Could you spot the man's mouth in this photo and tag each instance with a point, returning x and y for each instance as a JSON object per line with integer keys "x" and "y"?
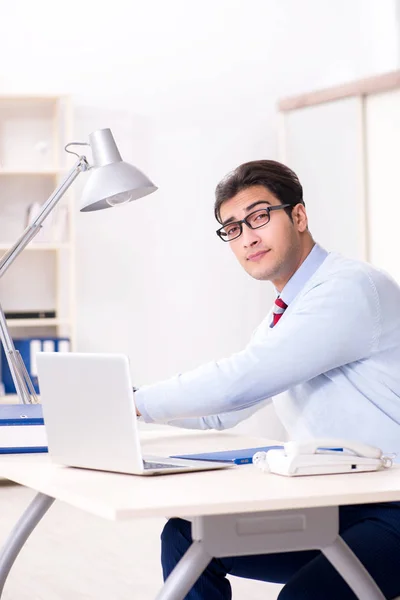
{"x": 257, "y": 255}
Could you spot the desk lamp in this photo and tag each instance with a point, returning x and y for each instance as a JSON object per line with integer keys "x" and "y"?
{"x": 112, "y": 182}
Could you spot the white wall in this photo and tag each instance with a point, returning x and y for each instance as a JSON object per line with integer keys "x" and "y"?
{"x": 196, "y": 84}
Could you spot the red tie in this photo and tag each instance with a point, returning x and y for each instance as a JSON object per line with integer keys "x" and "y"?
{"x": 279, "y": 309}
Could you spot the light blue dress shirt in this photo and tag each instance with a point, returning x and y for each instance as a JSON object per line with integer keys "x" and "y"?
{"x": 331, "y": 365}
{"x": 308, "y": 267}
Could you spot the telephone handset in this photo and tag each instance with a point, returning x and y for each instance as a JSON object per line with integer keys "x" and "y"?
{"x": 322, "y": 456}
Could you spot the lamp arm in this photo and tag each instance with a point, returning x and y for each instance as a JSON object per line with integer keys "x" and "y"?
{"x": 33, "y": 229}
{"x": 20, "y": 376}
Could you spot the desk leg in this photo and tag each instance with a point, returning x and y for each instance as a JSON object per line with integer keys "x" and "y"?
{"x": 186, "y": 573}
{"x": 352, "y": 570}
{"x": 20, "y": 533}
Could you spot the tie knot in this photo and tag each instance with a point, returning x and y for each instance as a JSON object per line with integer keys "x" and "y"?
{"x": 279, "y": 308}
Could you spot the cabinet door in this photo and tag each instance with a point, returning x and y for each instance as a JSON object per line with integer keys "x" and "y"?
{"x": 324, "y": 145}
{"x": 383, "y": 160}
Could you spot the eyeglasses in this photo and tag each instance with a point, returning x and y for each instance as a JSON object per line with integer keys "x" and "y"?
{"x": 254, "y": 220}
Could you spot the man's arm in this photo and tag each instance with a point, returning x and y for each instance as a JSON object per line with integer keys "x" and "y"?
{"x": 335, "y": 323}
{"x": 221, "y": 421}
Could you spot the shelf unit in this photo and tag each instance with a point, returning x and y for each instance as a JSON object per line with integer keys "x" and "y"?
{"x": 33, "y": 133}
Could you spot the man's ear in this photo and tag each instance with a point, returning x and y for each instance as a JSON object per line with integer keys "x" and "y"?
{"x": 299, "y": 217}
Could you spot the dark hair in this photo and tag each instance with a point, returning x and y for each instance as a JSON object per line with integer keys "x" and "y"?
{"x": 276, "y": 177}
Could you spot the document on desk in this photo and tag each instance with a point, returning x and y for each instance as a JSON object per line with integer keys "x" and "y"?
{"x": 241, "y": 456}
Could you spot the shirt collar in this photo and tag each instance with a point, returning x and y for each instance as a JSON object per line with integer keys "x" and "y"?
{"x": 307, "y": 268}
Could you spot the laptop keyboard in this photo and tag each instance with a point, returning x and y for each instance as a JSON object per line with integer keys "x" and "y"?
{"x": 155, "y": 465}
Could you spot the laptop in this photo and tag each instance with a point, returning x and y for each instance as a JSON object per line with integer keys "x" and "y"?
{"x": 90, "y": 416}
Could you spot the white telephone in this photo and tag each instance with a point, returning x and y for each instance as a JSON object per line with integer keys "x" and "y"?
{"x": 322, "y": 456}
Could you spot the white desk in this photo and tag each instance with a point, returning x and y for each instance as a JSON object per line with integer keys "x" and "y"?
{"x": 234, "y": 512}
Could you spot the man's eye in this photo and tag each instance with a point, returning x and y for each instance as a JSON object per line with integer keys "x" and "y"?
{"x": 232, "y": 230}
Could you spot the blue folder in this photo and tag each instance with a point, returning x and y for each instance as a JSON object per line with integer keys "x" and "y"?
{"x": 239, "y": 457}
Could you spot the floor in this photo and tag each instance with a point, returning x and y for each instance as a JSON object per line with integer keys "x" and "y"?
{"x": 74, "y": 556}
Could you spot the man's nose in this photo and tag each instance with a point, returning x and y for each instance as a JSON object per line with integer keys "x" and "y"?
{"x": 250, "y": 237}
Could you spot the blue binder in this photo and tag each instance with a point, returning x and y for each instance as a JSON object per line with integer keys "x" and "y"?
{"x": 22, "y": 429}
{"x": 21, "y": 414}
{"x": 23, "y": 345}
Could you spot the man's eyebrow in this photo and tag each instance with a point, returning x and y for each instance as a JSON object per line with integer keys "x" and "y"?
{"x": 248, "y": 209}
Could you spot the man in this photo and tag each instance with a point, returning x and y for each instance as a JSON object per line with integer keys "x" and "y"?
{"x": 332, "y": 343}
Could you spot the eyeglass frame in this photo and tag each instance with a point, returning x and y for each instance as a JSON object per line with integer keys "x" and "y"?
{"x": 245, "y": 220}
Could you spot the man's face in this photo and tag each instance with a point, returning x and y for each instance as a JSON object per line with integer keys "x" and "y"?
{"x": 272, "y": 252}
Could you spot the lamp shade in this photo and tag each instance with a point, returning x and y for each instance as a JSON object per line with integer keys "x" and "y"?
{"x": 111, "y": 181}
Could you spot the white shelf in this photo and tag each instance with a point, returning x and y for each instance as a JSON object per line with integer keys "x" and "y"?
{"x": 30, "y": 172}
{"x": 13, "y": 99}
{"x": 9, "y": 399}
{"x": 33, "y": 133}
{"x": 38, "y": 246}
{"x": 36, "y": 322}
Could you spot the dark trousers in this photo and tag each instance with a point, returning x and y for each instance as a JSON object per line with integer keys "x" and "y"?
{"x": 371, "y": 530}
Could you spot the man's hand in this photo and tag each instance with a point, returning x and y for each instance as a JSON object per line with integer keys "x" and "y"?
{"x": 137, "y": 412}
